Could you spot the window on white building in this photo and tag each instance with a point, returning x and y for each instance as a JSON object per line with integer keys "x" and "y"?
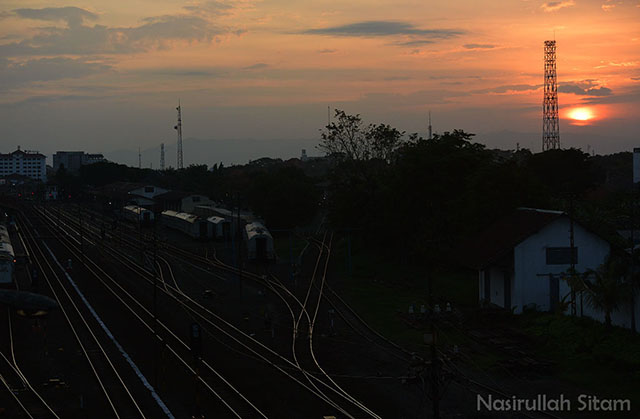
{"x": 561, "y": 255}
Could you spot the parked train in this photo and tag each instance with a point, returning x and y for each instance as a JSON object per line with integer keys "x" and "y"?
{"x": 190, "y": 224}
{"x": 138, "y": 214}
{"x": 7, "y": 258}
{"x": 259, "y": 242}
{"x": 219, "y": 228}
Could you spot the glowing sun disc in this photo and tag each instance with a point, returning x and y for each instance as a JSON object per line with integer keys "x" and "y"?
{"x": 581, "y": 114}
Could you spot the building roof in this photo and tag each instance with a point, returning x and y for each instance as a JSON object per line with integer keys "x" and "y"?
{"x": 497, "y": 240}
{"x": 32, "y": 154}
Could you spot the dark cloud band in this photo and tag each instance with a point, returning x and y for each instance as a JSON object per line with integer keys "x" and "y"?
{"x": 375, "y": 28}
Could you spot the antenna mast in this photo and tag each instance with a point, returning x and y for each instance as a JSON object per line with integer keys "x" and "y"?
{"x": 139, "y": 159}
{"x": 550, "y": 122}
{"x": 162, "y": 156}
{"x": 430, "y": 132}
{"x": 179, "y": 129}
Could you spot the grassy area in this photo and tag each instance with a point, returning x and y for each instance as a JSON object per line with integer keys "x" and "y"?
{"x": 284, "y": 246}
{"x": 586, "y": 353}
{"x": 380, "y": 289}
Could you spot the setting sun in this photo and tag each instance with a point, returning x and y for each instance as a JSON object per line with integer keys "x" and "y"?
{"x": 581, "y": 115}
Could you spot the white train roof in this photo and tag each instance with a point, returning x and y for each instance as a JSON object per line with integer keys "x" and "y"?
{"x": 256, "y": 229}
{"x": 4, "y": 235}
{"x": 216, "y": 220}
{"x": 185, "y": 216}
{"x": 6, "y": 251}
{"x": 135, "y": 208}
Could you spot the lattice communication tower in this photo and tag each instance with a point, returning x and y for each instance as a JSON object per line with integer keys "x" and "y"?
{"x": 162, "y": 156}
{"x": 179, "y": 129}
{"x": 550, "y": 122}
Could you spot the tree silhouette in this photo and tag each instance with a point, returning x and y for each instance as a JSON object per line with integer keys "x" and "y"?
{"x": 606, "y": 289}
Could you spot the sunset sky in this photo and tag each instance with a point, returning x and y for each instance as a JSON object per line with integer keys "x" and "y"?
{"x": 103, "y": 76}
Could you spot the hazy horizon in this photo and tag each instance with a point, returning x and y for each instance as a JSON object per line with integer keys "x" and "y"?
{"x": 241, "y": 151}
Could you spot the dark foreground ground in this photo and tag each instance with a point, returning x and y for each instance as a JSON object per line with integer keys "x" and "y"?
{"x": 479, "y": 353}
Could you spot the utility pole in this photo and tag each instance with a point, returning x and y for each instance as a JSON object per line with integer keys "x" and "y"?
{"x": 632, "y": 260}
{"x": 291, "y": 255}
{"x": 196, "y": 351}
{"x": 573, "y": 255}
{"x": 155, "y": 306}
{"x": 81, "y": 233}
{"x": 58, "y": 206}
{"x": 239, "y": 237}
{"x": 349, "y": 261}
{"x": 435, "y": 373}
{"x": 140, "y": 234}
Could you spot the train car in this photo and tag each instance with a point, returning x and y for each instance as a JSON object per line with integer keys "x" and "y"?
{"x": 210, "y": 210}
{"x": 7, "y": 258}
{"x": 219, "y": 228}
{"x": 11, "y": 223}
{"x": 190, "y": 224}
{"x": 138, "y": 214}
{"x": 259, "y": 242}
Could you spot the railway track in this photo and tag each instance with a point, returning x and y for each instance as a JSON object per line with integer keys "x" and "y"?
{"x": 29, "y": 402}
{"x": 357, "y": 324}
{"x": 302, "y": 347}
{"x": 303, "y": 314}
{"x": 323, "y": 389}
{"x": 222, "y": 390}
{"x": 119, "y": 397}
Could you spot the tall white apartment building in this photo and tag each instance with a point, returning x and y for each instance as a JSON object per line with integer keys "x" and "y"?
{"x": 26, "y": 163}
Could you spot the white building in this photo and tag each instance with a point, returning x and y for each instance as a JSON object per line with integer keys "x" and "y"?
{"x": 26, "y": 163}
{"x": 521, "y": 260}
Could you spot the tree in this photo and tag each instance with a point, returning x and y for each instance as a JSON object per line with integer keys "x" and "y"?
{"x": 564, "y": 172}
{"x": 285, "y": 197}
{"x": 606, "y": 289}
{"x": 349, "y": 138}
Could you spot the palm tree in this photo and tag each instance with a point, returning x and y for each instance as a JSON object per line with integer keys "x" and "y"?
{"x": 576, "y": 285}
{"x": 606, "y": 288}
